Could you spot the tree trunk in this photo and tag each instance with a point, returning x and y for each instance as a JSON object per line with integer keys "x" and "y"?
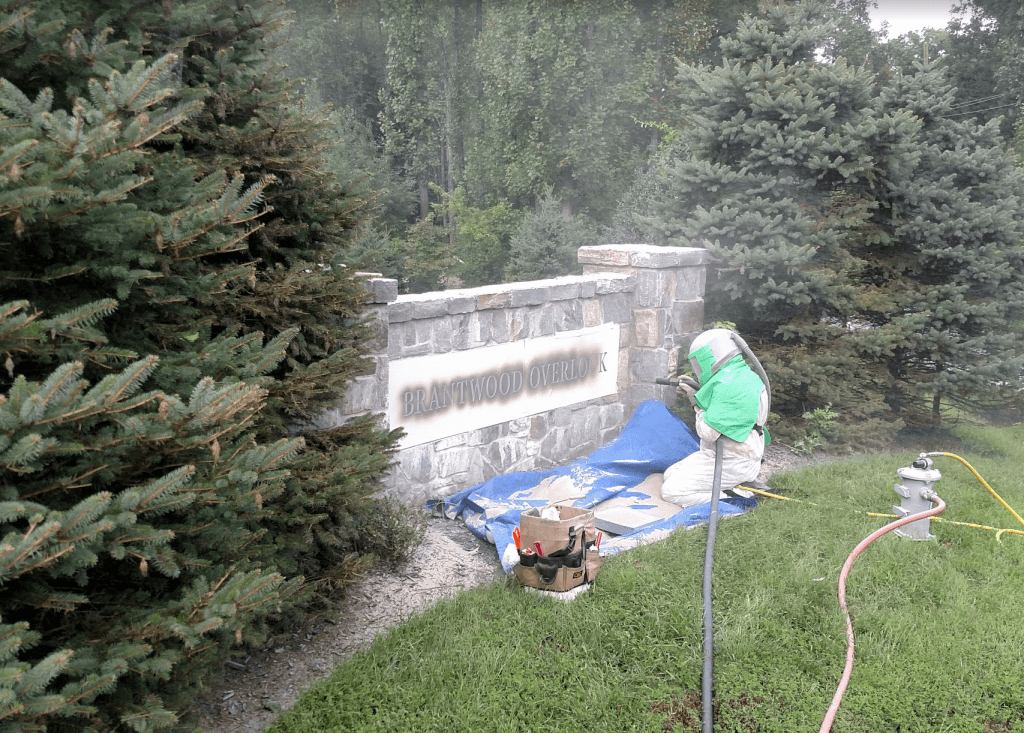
{"x": 451, "y": 191}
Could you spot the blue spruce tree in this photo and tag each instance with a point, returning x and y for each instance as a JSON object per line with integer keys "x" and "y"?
{"x": 957, "y": 270}
{"x": 811, "y": 187}
{"x": 174, "y": 311}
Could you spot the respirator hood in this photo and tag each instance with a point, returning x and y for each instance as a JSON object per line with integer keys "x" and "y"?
{"x": 710, "y": 351}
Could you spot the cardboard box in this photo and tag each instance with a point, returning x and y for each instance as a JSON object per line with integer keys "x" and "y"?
{"x": 553, "y": 535}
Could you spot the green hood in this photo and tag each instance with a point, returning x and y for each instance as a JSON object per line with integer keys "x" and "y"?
{"x": 731, "y": 397}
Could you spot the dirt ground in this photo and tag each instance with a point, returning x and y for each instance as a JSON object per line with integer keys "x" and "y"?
{"x": 257, "y": 687}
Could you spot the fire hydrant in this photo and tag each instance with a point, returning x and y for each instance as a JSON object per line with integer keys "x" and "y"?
{"x": 915, "y": 490}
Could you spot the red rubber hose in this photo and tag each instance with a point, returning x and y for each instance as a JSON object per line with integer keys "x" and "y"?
{"x": 826, "y": 725}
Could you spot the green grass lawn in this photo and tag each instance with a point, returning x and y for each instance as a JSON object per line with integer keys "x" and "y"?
{"x": 940, "y": 634}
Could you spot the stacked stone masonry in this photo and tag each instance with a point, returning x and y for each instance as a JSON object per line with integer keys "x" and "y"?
{"x": 655, "y": 295}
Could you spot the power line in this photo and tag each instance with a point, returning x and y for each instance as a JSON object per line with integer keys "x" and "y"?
{"x": 979, "y": 111}
{"x": 977, "y": 101}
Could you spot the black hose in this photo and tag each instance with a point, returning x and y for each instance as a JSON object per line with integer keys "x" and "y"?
{"x": 753, "y": 360}
{"x": 707, "y": 678}
{"x": 709, "y": 559}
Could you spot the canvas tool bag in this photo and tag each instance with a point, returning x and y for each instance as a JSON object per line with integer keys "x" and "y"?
{"x": 570, "y": 557}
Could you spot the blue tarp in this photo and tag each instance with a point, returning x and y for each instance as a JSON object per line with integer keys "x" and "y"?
{"x": 652, "y": 440}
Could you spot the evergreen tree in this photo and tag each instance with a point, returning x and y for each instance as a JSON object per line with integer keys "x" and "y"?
{"x": 100, "y": 482}
{"x": 801, "y": 178}
{"x": 124, "y": 517}
{"x": 899, "y": 55}
{"x": 958, "y": 281}
{"x": 156, "y": 171}
{"x": 424, "y": 258}
{"x": 285, "y": 271}
{"x": 547, "y": 242}
{"x": 781, "y": 170}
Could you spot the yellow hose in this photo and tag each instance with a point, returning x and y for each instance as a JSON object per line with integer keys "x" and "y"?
{"x": 972, "y": 525}
{"x": 980, "y": 526}
{"x": 983, "y": 482}
{"x": 775, "y": 496}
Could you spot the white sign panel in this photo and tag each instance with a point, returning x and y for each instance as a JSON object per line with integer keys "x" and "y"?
{"x": 436, "y": 396}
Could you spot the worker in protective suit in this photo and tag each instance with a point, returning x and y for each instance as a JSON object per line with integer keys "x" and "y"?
{"x": 732, "y": 402}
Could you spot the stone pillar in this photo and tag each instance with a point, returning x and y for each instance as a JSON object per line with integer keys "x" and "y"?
{"x": 367, "y": 393}
{"x": 668, "y": 310}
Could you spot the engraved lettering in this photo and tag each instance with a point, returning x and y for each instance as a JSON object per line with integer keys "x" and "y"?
{"x": 534, "y": 377}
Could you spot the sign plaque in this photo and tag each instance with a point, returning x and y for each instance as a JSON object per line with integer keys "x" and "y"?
{"x": 439, "y": 395}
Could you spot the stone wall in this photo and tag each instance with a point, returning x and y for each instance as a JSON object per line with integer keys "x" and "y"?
{"x": 654, "y": 294}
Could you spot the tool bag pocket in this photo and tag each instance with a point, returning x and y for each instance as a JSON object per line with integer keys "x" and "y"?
{"x": 567, "y": 556}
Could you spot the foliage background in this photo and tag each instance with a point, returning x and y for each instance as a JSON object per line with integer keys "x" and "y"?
{"x": 526, "y": 106}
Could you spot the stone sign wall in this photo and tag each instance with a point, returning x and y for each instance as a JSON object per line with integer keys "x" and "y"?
{"x": 524, "y": 376}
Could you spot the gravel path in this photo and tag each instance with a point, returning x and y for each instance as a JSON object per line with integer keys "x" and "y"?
{"x": 256, "y": 687}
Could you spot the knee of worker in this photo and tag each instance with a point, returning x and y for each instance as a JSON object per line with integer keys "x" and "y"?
{"x": 690, "y": 481}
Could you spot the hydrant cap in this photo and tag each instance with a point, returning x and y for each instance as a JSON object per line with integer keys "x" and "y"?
{"x": 924, "y": 475}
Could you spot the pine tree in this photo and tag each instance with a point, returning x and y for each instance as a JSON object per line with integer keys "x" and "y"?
{"x": 286, "y": 271}
{"x": 813, "y": 188}
{"x": 547, "y": 242}
{"x": 255, "y": 124}
{"x": 99, "y": 480}
{"x": 102, "y": 602}
{"x": 160, "y": 193}
{"x": 780, "y": 170}
{"x": 959, "y": 275}
{"x": 425, "y": 257}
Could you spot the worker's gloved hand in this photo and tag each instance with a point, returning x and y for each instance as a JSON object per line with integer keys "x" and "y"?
{"x": 687, "y": 388}
{"x": 683, "y": 379}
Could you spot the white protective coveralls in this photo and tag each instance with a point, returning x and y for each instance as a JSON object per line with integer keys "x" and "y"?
{"x": 730, "y": 399}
